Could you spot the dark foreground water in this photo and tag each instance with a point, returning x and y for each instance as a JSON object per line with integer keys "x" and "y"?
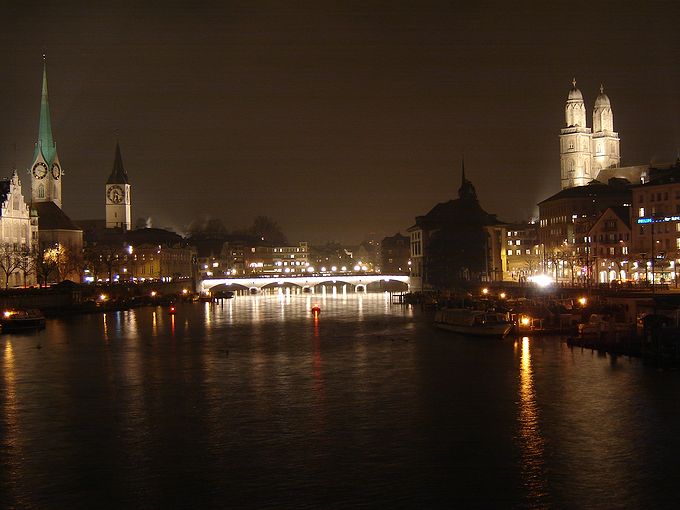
{"x": 254, "y": 404}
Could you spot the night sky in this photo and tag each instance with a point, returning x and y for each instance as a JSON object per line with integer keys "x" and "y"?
{"x": 338, "y": 120}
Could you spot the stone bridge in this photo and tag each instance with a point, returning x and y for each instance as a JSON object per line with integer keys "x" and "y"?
{"x": 256, "y": 284}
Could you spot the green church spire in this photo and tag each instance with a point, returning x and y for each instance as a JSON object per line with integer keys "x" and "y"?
{"x": 45, "y": 141}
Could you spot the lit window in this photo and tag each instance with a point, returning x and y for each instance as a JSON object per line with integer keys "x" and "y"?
{"x": 641, "y": 212}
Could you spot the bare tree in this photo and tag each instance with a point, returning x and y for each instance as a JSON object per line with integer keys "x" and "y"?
{"x": 27, "y": 264}
{"x": 46, "y": 263}
{"x": 10, "y": 262}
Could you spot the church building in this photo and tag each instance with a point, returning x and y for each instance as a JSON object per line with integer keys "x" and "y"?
{"x": 118, "y": 205}
{"x": 55, "y": 228}
{"x": 592, "y": 154}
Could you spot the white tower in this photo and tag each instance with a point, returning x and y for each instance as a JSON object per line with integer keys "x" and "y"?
{"x": 575, "y": 142}
{"x": 605, "y": 142}
{"x": 118, "y": 205}
{"x": 45, "y": 170}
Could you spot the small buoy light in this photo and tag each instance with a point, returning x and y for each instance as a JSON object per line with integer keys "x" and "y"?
{"x": 316, "y": 309}
{"x": 172, "y": 309}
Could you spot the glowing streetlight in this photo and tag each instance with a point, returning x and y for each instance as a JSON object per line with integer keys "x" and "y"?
{"x": 485, "y": 291}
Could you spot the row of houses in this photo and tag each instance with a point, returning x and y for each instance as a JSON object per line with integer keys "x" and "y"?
{"x": 600, "y": 233}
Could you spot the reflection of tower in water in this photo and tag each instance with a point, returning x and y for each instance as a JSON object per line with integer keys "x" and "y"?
{"x": 531, "y": 442}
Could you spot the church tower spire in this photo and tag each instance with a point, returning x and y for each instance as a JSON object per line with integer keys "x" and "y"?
{"x": 605, "y": 147}
{"x": 46, "y": 170}
{"x": 575, "y": 140}
{"x": 466, "y": 190}
{"x": 118, "y": 204}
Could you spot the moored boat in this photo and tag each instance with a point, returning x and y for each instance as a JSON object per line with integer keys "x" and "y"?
{"x": 21, "y": 320}
{"x": 473, "y": 322}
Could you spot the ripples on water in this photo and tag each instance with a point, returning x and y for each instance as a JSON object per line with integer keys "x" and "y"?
{"x": 254, "y": 403}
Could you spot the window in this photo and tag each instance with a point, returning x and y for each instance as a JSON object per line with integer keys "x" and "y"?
{"x": 624, "y": 250}
{"x": 611, "y": 250}
{"x": 510, "y": 241}
{"x": 641, "y": 212}
{"x": 517, "y": 242}
{"x": 641, "y": 198}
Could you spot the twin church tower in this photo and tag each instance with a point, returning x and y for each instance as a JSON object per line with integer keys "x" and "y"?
{"x": 46, "y": 172}
{"x": 584, "y": 153}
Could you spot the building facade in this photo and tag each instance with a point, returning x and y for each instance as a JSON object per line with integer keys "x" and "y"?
{"x": 395, "y": 254}
{"x": 523, "y": 251}
{"x": 457, "y": 242}
{"x": 18, "y": 234}
{"x": 608, "y": 256}
{"x": 655, "y": 226}
{"x": 567, "y": 217}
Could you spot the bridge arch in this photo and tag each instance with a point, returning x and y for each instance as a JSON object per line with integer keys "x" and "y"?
{"x": 360, "y": 282}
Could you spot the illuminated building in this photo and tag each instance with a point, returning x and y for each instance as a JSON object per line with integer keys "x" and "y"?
{"x": 523, "y": 252}
{"x": 18, "y": 230}
{"x": 138, "y": 255}
{"x": 587, "y": 154}
{"x": 118, "y": 204}
{"x": 657, "y": 240}
{"x": 567, "y": 217}
{"x": 607, "y": 247}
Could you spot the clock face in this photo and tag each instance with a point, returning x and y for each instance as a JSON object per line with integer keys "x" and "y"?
{"x": 56, "y": 171}
{"x": 40, "y": 170}
{"x": 115, "y": 194}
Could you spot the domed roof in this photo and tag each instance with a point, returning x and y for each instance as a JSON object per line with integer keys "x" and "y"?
{"x": 574, "y": 93}
{"x": 602, "y": 99}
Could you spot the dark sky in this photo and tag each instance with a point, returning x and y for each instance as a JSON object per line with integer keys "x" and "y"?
{"x": 336, "y": 119}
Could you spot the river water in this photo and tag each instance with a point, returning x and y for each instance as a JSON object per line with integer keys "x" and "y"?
{"x": 254, "y": 403}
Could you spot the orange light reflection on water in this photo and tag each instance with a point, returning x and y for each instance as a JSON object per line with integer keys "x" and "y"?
{"x": 531, "y": 442}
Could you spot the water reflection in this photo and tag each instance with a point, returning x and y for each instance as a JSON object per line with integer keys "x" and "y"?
{"x": 531, "y": 442}
{"x": 106, "y": 328}
{"x": 10, "y": 407}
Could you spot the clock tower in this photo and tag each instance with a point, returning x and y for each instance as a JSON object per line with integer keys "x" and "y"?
{"x": 118, "y": 205}
{"x": 46, "y": 169}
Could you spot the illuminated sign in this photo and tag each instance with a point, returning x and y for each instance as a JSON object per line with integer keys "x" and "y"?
{"x": 660, "y": 219}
